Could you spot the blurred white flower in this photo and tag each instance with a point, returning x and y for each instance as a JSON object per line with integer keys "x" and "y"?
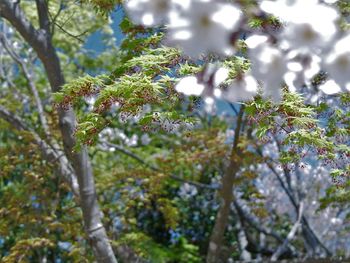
{"x": 111, "y": 149}
{"x": 205, "y": 84}
{"x": 336, "y": 221}
{"x": 302, "y": 68}
{"x": 205, "y": 26}
{"x": 255, "y": 40}
{"x": 145, "y": 139}
{"x": 132, "y": 141}
{"x": 268, "y": 65}
{"x": 187, "y": 190}
{"x": 330, "y": 1}
{"x": 330, "y": 87}
{"x": 107, "y": 134}
{"x": 121, "y": 135}
{"x": 220, "y": 76}
{"x": 190, "y": 86}
{"x": 152, "y": 12}
{"x": 241, "y": 89}
{"x": 294, "y": 80}
{"x": 337, "y": 63}
{"x": 167, "y": 125}
{"x": 90, "y": 101}
{"x": 310, "y": 25}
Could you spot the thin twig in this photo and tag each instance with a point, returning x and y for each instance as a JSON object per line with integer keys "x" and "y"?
{"x": 70, "y": 34}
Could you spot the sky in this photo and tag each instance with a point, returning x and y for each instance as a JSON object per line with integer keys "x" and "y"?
{"x": 95, "y": 43}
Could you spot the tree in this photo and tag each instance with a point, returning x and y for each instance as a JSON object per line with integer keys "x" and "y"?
{"x": 156, "y": 155}
{"x": 75, "y": 166}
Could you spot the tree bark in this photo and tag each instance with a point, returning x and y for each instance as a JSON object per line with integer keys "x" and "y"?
{"x": 226, "y": 197}
{"x": 40, "y": 40}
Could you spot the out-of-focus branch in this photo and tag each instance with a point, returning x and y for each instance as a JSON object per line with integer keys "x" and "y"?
{"x": 5, "y": 73}
{"x": 233, "y": 108}
{"x": 310, "y": 236}
{"x": 54, "y": 18}
{"x": 290, "y": 235}
{"x": 12, "y": 12}
{"x": 253, "y": 222}
{"x": 44, "y": 21}
{"x": 4, "y": 41}
{"x": 77, "y": 37}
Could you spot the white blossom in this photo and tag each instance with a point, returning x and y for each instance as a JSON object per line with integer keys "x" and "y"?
{"x": 91, "y": 102}
{"x": 268, "y": 65}
{"x": 205, "y": 85}
{"x": 330, "y": 1}
{"x": 241, "y": 89}
{"x": 132, "y": 141}
{"x": 330, "y": 87}
{"x": 204, "y": 27}
{"x": 201, "y": 27}
{"x": 145, "y": 139}
{"x": 337, "y": 63}
{"x": 310, "y": 25}
{"x": 254, "y": 41}
{"x": 190, "y": 86}
{"x": 302, "y": 67}
{"x": 187, "y": 190}
{"x": 152, "y": 12}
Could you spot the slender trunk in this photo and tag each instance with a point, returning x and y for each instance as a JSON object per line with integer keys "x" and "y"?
{"x": 226, "y": 197}
{"x": 40, "y": 40}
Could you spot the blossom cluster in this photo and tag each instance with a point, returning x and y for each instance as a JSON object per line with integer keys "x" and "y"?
{"x": 308, "y": 43}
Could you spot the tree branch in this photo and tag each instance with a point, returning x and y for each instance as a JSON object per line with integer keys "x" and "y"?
{"x": 290, "y": 235}
{"x": 241, "y": 211}
{"x": 233, "y": 108}
{"x": 70, "y": 34}
{"x": 28, "y": 77}
{"x": 13, "y": 13}
{"x": 54, "y": 18}
{"x": 309, "y": 235}
{"x": 44, "y": 21}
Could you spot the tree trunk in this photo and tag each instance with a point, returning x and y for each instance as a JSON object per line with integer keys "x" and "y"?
{"x": 226, "y": 197}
